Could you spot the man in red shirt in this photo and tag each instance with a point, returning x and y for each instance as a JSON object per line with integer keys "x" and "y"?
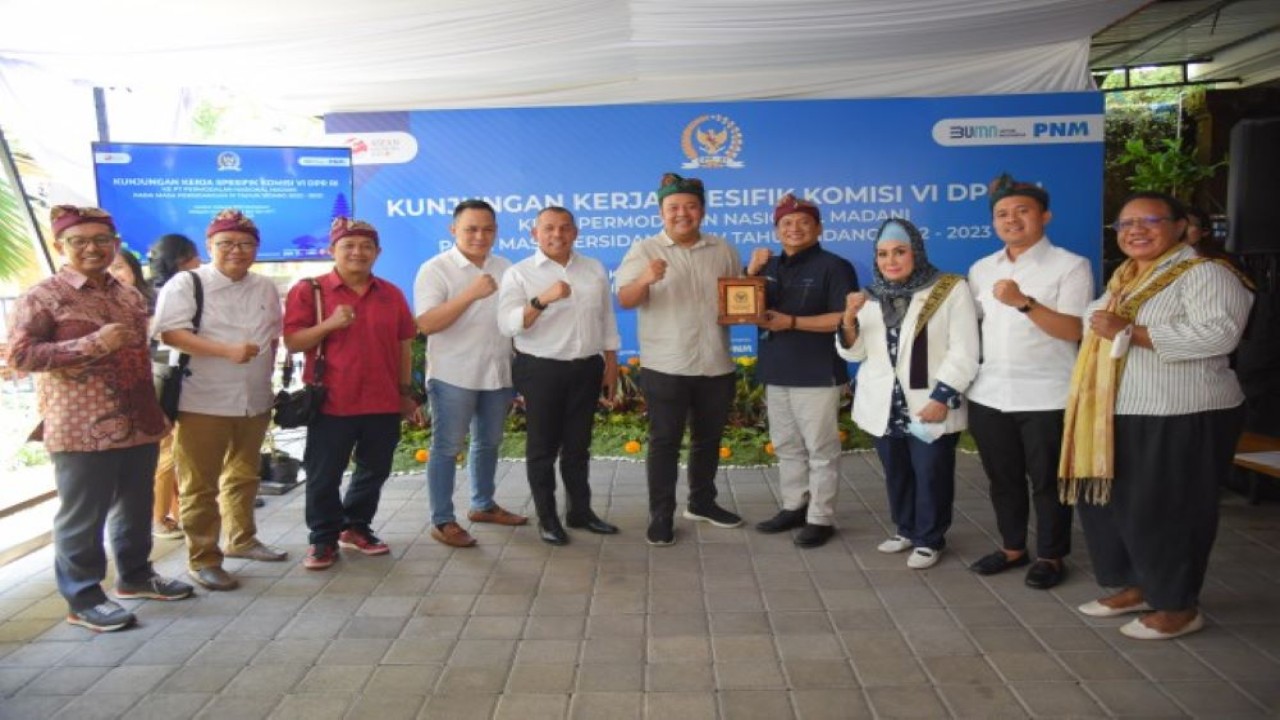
{"x": 367, "y": 331}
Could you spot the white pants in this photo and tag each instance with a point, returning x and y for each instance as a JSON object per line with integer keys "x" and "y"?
{"x": 806, "y": 438}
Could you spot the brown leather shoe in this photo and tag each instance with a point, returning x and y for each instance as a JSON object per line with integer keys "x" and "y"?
{"x": 214, "y": 578}
{"x": 452, "y": 534}
{"x": 258, "y": 551}
{"x": 497, "y": 516}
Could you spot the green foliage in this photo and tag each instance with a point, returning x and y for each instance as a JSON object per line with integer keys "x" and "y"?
{"x": 623, "y": 430}
{"x": 1164, "y": 166}
{"x": 15, "y": 244}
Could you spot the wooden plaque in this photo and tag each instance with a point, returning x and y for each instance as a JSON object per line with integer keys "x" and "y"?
{"x": 741, "y": 300}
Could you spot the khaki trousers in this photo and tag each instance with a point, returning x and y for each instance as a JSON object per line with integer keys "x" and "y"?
{"x": 218, "y": 475}
{"x": 166, "y": 484}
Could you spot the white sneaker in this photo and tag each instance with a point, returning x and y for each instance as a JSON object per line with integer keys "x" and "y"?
{"x": 895, "y": 544}
{"x": 922, "y": 558}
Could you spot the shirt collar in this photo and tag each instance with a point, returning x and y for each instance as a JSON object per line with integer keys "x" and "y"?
{"x": 459, "y": 260}
{"x": 331, "y": 281}
{"x": 78, "y": 280}
{"x": 540, "y": 258}
{"x": 214, "y": 279}
{"x": 1032, "y": 254}
{"x": 702, "y": 240}
{"x": 801, "y": 256}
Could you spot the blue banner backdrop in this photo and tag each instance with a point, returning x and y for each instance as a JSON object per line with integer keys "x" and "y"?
{"x": 292, "y": 193}
{"x": 928, "y": 160}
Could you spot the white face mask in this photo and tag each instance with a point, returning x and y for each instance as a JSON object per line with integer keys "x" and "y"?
{"x": 924, "y": 432}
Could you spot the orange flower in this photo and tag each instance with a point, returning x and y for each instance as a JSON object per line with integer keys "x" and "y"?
{"x": 632, "y": 447}
{"x": 422, "y": 455}
{"x": 624, "y": 370}
{"x": 634, "y": 361}
{"x": 768, "y": 448}
{"x": 844, "y": 435}
{"x": 725, "y": 452}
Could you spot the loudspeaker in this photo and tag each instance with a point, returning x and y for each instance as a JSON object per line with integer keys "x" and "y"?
{"x": 1253, "y": 189}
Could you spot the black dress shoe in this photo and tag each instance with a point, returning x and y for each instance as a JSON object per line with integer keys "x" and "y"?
{"x": 553, "y": 533}
{"x": 1044, "y": 574}
{"x": 998, "y": 562}
{"x": 814, "y": 535}
{"x": 592, "y": 523}
{"x": 783, "y": 521}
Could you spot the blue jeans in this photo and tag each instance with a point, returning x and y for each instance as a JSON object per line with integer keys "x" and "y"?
{"x": 454, "y": 411}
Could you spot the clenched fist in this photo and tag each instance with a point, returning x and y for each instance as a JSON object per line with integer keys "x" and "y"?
{"x": 115, "y": 336}
{"x": 656, "y": 271}
{"x": 482, "y": 287}
{"x": 759, "y": 258}
{"x": 1008, "y": 292}
{"x": 558, "y": 291}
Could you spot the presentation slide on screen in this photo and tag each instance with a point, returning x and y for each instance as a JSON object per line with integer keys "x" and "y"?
{"x": 928, "y": 160}
{"x": 292, "y": 193}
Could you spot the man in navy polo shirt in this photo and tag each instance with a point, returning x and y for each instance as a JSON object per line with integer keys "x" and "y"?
{"x": 803, "y": 375}
{"x": 367, "y": 333}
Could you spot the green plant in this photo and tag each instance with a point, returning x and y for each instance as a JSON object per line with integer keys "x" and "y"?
{"x": 1166, "y": 167}
{"x": 15, "y": 246}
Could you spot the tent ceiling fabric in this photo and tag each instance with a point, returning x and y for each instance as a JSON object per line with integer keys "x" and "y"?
{"x": 1230, "y": 39}
{"x": 321, "y": 56}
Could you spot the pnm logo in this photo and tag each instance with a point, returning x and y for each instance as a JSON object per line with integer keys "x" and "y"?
{"x": 711, "y": 141}
{"x": 228, "y": 161}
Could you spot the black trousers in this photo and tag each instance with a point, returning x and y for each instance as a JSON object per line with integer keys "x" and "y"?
{"x": 700, "y": 402}
{"x": 560, "y": 401}
{"x": 331, "y": 440}
{"x": 1158, "y": 530}
{"x": 1015, "y": 447}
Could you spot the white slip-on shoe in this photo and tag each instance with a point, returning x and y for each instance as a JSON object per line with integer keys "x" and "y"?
{"x": 895, "y": 544}
{"x": 1136, "y": 630}
{"x": 1093, "y": 608}
{"x": 922, "y": 558}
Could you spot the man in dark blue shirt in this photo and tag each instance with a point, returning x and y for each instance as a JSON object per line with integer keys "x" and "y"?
{"x": 803, "y": 376}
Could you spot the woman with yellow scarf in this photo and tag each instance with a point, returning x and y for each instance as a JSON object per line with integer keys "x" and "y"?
{"x": 1152, "y": 420}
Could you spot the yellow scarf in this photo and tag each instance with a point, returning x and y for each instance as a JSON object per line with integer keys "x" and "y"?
{"x": 1087, "y": 465}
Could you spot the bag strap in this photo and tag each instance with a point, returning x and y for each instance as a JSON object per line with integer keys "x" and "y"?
{"x": 286, "y": 368}
{"x": 198, "y": 289}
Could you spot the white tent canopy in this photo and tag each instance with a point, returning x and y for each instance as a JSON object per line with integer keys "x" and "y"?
{"x": 319, "y": 56}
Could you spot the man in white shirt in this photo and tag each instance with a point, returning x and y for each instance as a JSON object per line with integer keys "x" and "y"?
{"x": 688, "y": 374}
{"x": 468, "y": 369}
{"x": 225, "y": 406}
{"x": 558, "y": 308}
{"x": 1030, "y": 296}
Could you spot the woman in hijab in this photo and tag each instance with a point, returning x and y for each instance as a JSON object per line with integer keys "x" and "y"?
{"x": 915, "y": 333}
{"x": 1152, "y": 419}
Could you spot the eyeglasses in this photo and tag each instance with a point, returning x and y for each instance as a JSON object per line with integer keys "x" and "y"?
{"x": 80, "y": 243}
{"x": 1149, "y": 221}
{"x": 228, "y": 246}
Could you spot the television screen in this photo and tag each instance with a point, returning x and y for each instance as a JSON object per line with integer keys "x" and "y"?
{"x": 292, "y": 193}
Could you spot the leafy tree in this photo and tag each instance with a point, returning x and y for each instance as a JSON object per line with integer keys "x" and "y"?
{"x": 15, "y": 245}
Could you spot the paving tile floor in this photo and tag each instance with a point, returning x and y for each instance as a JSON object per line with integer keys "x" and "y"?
{"x": 724, "y": 624}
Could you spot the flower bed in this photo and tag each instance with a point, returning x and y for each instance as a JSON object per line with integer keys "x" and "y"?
{"x": 623, "y": 429}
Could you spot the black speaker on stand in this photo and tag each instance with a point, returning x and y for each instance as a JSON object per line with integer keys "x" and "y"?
{"x": 1253, "y": 189}
{"x": 1253, "y": 234}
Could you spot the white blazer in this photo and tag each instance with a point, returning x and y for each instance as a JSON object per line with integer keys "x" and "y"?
{"x": 953, "y": 358}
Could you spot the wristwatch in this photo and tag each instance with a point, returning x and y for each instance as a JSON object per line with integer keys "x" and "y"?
{"x": 1031, "y": 302}
{"x": 537, "y": 304}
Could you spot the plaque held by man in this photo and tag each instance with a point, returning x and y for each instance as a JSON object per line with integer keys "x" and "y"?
{"x": 741, "y": 300}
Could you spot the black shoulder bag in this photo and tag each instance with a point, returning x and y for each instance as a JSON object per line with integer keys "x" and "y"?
{"x": 169, "y": 389}
{"x": 301, "y": 407}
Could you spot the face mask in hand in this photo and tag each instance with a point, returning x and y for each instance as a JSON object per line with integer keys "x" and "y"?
{"x": 924, "y": 432}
